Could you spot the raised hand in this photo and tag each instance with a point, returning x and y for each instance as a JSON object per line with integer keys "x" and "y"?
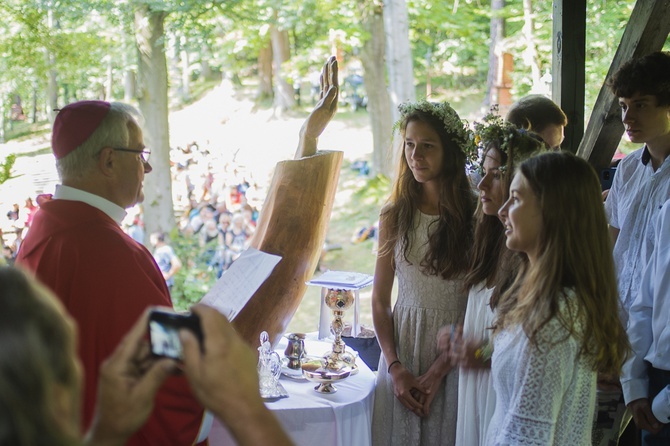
{"x": 323, "y": 112}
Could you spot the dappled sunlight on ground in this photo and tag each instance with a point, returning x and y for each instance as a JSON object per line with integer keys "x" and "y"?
{"x": 230, "y": 126}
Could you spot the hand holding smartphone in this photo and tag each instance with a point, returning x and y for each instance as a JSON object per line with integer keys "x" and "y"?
{"x": 164, "y": 329}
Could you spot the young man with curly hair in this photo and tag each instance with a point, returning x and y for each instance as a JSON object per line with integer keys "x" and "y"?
{"x": 639, "y": 189}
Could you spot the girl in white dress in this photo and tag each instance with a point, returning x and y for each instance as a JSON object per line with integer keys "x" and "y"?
{"x": 492, "y": 270}
{"x": 558, "y": 324}
{"x": 424, "y": 239}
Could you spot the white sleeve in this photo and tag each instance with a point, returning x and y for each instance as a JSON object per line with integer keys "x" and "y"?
{"x": 540, "y": 389}
{"x": 634, "y": 379}
{"x": 661, "y": 406}
{"x": 612, "y": 201}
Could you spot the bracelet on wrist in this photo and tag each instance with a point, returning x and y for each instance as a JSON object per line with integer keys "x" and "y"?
{"x": 397, "y": 361}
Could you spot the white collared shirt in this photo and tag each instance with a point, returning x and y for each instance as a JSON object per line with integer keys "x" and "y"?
{"x": 649, "y": 324}
{"x": 632, "y": 205}
{"x": 115, "y": 212}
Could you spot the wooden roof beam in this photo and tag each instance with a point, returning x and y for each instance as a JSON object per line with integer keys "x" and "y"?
{"x": 568, "y": 79}
{"x": 645, "y": 33}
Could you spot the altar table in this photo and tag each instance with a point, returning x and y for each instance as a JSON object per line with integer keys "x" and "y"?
{"x": 311, "y": 418}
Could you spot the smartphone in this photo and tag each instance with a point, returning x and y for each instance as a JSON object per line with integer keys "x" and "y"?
{"x": 164, "y": 329}
{"x": 606, "y": 177}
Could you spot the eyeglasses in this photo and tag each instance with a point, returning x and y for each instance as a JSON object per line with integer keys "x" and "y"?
{"x": 144, "y": 153}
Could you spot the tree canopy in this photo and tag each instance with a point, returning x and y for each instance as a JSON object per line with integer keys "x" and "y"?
{"x": 57, "y": 51}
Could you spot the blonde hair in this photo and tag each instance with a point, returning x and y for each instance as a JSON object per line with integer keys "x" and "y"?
{"x": 575, "y": 254}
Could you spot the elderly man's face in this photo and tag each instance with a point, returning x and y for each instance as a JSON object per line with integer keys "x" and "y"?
{"x": 132, "y": 170}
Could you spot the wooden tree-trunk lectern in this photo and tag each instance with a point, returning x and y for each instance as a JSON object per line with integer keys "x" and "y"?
{"x": 293, "y": 222}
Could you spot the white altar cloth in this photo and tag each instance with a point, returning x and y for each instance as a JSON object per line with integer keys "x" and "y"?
{"x": 311, "y": 418}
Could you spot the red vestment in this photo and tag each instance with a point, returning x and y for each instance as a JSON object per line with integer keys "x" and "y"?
{"x": 106, "y": 280}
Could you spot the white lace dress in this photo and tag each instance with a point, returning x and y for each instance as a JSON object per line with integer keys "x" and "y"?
{"x": 425, "y": 304}
{"x": 476, "y": 397}
{"x": 545, "y": 395}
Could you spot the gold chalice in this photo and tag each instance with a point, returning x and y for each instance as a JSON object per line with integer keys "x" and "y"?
{"x": 339, "y": 301}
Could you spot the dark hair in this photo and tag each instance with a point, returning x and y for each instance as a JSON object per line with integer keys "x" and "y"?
{"x": 491, "y": 261}
{"x": 535, "y": 112}
{"x": 647, "y": 75}
{"x": 449, "y": 243}
{"x": 35, "y": 354}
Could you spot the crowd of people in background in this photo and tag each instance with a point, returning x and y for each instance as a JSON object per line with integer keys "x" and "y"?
{"x": 215, "y": 209}
{"x": 15, "y": 229}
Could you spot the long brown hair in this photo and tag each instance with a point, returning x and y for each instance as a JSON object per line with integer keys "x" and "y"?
{"x": 34, "y": 346}
{"x": 575, "y": 254}
{"x": 449, "y": 243}
{"x": 491, "y": 262}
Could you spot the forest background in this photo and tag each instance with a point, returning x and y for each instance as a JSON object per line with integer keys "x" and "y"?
{"x": 164, "y": 56}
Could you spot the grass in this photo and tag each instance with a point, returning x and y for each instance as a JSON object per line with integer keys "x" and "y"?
{"x": 357, "y": 206}
{"x": 22, "y": 130}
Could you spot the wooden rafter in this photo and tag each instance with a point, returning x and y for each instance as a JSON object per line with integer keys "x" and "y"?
{"x": 645, "y": 33}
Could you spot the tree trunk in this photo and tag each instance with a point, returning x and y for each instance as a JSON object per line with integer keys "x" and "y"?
{"x": 153, "y": 96}
{"x": 398, "y": 54}
{"x": 185, "y": 73}
{"x": 530, "y": 55}
{"x": 33, "y": 113}
{"x": 205, "y": 70}
{"x": 129, "y": 80}
{"x": 52, "y": 80}
{"x": 128, "y": 85}
{"x": 265, "y": 72}
{"x": 52, "y": 89}
{"x": 283, "y": 91}
{"x": 2, "y": 117}
{"x": 497, "y": 35}
{"x": 379, "y": 103}
{"x": 110, "y": 80}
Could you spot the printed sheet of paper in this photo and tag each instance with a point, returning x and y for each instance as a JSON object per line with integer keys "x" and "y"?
{"x": 342, "y": 280}
{"x": 239, "y": 282}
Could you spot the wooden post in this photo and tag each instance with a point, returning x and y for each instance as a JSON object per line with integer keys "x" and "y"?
{"x": 645, "y": 33}
{"x": 569, "y": 45}
{"x": 504, "y": 80}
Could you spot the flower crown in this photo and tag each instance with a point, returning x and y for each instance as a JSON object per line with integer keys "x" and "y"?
{"x": 455, "y": 126}
{"x": 493, "y": 128}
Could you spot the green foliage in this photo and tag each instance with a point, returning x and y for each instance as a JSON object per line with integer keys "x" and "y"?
{"x": 195, "y": 277}
{"x": 448, "y": 44}
{"x": 450, "y": 39}
{"x": 6, "y": 167}
{"x": 606, "y": 22}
